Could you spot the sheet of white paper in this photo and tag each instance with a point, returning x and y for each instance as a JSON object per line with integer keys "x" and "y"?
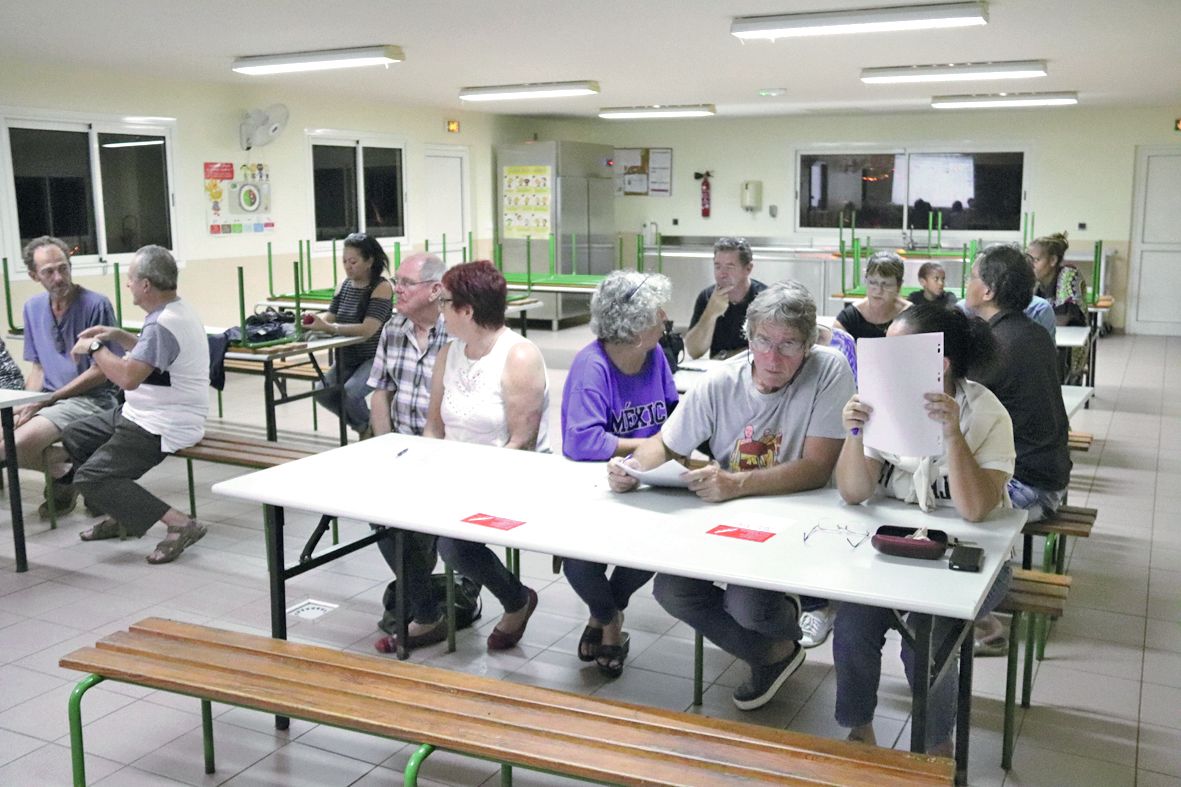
{"x": 893, "y": 374}
{"x": 668, "y": 474}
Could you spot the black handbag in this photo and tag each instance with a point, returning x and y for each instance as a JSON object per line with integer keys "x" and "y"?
{"x": 468, "y": 606}
{"x": 673, "y": 345}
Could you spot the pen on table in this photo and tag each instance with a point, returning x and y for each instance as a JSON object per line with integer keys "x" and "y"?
{"x": 404, "y": 450}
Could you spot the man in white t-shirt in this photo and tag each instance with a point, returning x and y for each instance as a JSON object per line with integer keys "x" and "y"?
{"x": 165, "y": 378}
{"x": 774, "y": 425}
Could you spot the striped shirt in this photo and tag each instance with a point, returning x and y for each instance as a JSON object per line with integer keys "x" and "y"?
{"x": 352, "y": 305}
{"x": 401, "y": 366}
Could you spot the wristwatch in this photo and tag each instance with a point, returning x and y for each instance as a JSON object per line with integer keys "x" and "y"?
{"x": 95, "y": 346}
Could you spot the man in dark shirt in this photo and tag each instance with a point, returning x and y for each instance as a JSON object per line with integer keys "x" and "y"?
{"x": 1025, "y": 379}
{"x": 720, "y": 310}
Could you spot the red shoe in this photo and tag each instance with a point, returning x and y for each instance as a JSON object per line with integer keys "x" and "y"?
{"x": 389, "y": 644}
{"x": 503, "y": 640}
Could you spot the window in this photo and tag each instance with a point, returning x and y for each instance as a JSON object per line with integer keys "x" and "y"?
{"x": 347, "y": 203}
{"x": 103, "y": 188}
{"x": 972, "y": 191}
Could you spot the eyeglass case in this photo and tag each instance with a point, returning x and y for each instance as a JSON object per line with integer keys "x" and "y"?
{"x": 892, "y": 540}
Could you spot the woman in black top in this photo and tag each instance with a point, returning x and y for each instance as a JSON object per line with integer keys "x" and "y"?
{"x": 869, "y": 317}
{"x": 360, "y": 307}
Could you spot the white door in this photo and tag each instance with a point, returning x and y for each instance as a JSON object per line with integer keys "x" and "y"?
{"x": 446, "y": 190}
{"x": 1156, "y": 243}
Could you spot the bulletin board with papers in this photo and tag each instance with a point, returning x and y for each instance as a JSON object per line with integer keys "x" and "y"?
{"x": 643, "y": 172}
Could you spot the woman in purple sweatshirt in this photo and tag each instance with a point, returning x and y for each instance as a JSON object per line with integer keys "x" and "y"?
{"x": 619, "y": 391}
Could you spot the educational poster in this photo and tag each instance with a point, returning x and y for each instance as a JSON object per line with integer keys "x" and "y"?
{"x": 237, "y": 198}
{"x": 643, "y": 172}
{"x": 526, "y": 194}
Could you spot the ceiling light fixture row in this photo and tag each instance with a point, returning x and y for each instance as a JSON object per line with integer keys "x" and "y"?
{"x": 954, "y": 72}
{"x": 321, "y": 60}
{"x": 586, "y": 87}
{"x": 1005, "y": 100}
{"x": 659, "y": 111}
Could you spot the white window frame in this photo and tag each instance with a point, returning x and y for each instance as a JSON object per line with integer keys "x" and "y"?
{"x": 956, "y": 237}
{"x": 99, "y": 264}
{"x": 359, "y": 140}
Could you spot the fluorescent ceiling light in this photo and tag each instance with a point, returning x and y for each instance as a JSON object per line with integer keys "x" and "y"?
{"x": 319, "y": 61}
{"x": 137, "y": 144}
{"x": 586, "y": 87}
{"x": 954, "y": 72}
{"x": 861, "y": 20}
{"x": 147, "y": 120}
{"x": 995, "y": 100}
{"x": 659, "y": 111}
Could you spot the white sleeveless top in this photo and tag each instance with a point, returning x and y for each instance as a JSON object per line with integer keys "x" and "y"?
{"x": 473, "y": 402}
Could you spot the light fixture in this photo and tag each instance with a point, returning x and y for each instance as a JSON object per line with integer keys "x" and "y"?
{"x": 322, "y": 60}
{"x": 954, "y": 72}
{"x": 136, "y": 144}
{"x": 1004, "y": 100}
{"x": 773, "y": 92}
{"x": 861, "y": 20}
{"x": 659, "y": 111}
{"x": 585, "y": 87}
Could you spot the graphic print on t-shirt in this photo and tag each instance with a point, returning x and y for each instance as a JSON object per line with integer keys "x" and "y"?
{"x": 633, "y": 417}
{"x": 752, "y": 454}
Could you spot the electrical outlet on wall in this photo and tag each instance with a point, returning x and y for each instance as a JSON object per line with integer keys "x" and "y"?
{"x": 1082, "y": 225}
{"x": 676, "y": 222}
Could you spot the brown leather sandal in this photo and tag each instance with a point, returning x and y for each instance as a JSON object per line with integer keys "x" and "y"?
{"x": 176, "y": 541}
{"x": 108, "y": 528}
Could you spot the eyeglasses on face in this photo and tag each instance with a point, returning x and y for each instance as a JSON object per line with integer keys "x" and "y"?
{"x": 405, "y": 284}
{"x": 788, "y": 349}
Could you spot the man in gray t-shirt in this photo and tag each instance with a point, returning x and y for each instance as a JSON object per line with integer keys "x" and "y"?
{"x": 774, "y": 425}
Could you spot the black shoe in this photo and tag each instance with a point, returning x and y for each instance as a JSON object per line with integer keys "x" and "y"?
{"x": 766, "y": 680}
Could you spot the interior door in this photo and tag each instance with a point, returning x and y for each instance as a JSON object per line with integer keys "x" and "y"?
{"x": 1156, "y": 243}
{"x": 445, "y": 205}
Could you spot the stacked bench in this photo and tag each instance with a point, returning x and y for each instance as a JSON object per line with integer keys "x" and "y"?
{"x": 511, "y": 724}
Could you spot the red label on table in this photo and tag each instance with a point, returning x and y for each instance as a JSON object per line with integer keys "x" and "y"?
{"x": 487, "y": 520}
{"x": 729, "y": 531}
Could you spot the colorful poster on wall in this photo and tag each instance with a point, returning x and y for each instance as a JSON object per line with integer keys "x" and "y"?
{"x": 237, "y": 198}
{"x": 526, "y": 193}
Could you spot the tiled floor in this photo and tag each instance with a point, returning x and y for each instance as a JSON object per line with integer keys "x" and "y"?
{"x": 1106, "y": 698}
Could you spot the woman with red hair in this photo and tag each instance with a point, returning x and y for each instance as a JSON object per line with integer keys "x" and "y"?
{"x": 492, "y": 391}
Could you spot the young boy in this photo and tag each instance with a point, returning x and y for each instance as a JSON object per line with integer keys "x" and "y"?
{"x": 931, "y": 279}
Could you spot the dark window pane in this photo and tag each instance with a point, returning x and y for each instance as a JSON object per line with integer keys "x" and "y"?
{"x": 334, "y": 182}
{"x": 842, "y": 183}
{"x": 135, "y": 191}
{"x": 974, "y": 191}
{"x": 383, "y": 191}
{"x": 51, "y": 170}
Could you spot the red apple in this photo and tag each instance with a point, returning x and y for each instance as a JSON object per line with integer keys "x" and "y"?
{"x": 308, "y": 319}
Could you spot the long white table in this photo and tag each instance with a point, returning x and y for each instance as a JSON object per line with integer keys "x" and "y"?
{"x": 1072, "y": 336}
{"x": 566, "y": 508}
{"x": 8, "y": 400}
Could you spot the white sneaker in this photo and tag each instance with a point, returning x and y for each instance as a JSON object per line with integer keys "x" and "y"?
{"x": 817, "y": 625}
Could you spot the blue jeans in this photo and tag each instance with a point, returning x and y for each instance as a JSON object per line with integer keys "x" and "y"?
{"x": 478, "y": 563}
{"x": 1039, "y": 503}
{"x": 857, "y": 640}
{"x": 744, "y": 622}
{"x": 605, "y": 597}
{"x": 356, "y": 388}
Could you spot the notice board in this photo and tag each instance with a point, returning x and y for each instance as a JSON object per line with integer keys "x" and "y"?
{"x": 643, "y": 172}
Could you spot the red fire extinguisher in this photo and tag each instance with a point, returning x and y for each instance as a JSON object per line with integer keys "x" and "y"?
{"x": 704, "y": 178}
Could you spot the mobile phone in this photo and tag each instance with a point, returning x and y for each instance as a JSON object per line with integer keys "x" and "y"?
{"x": 965, "y": 558}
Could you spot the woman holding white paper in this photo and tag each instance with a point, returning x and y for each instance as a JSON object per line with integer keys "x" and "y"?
{"x": 971, "y": 475}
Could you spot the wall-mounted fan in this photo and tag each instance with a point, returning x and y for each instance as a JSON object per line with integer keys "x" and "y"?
{"x": 262, "y": 126}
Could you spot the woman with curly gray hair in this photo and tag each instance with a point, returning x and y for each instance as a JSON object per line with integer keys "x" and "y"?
{"x": 619, "y": 391}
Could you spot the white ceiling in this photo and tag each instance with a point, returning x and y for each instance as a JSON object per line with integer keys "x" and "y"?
{"x": 1113, "y": 52}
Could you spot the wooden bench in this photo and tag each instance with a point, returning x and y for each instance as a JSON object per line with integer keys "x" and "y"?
{"x": 228, "y": 449}
{"x": 1038, "y": 595}
{"x": 512, "y": 724}
{"x": 1080, "y": 441}
{"x": 1069, "y": 520}
{"x": 298, "y": 370}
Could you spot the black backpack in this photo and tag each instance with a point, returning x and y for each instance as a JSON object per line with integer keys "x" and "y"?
{"x": 467, "y": 602}
{"x": 673, "y": 345}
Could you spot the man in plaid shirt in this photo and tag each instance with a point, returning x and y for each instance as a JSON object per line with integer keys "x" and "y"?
{"x": 401, "y": 382}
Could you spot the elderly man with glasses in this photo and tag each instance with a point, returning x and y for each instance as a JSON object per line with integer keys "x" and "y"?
{"x": 401, "y": 383}
{"x": 774, "y": 424}
{"x": 77, "y": 388}
{"x": 720, "y": 310}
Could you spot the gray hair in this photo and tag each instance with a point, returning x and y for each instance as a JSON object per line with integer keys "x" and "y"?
{"x": 157, "y": 265}
{"x": 37, "y": 243}
{"x": 787, "y": 303}
{"x": 625, "y": 304}
{"x": 745, "y": 255}
{"x": 431, "y": 267}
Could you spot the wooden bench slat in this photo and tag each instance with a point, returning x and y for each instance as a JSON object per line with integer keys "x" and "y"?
{"x": 268, "y": 449}
{"x": 1040, "y": 577}
{"x": 1078, "y": 511}
{"x": 224, "y": 457}
{"x": 1076, "y": 529}
{"x": 1032, "y": 602}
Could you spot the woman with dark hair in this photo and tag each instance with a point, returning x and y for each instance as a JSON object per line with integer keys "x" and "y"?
{"x": 359, "y": 308}
{"x": 869, "y": 317}
{"x": 492, "y": 391}
{"x": 620, "y": 390}
{"x": 971, "y": 475}
{"x": 1062, "y": 285}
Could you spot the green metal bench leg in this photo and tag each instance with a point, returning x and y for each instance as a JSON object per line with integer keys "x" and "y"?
{"x": 77, "y": 755}
{"x": 506, "y": 775}
{"x": 192, "y": 489}
{"x": 1010, "y": 695}
{"x": 557, "y": 565}
{"x": 1061, "y": 560}
{"x": 220, "y": 410}
{"x": 1048, "y": 551}
{"x": 410, "y": 775}
{"x": 512, "y": 560}
{"x": 450, "y": 576}
{"x": 1031, "y": 623}
{"x": 207, "y": 733}
{"x": 50, "y": 500}
{"x": 335, "y": 532}
{"x": 315, "y": 416}
{"x": 698, "y": 667}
